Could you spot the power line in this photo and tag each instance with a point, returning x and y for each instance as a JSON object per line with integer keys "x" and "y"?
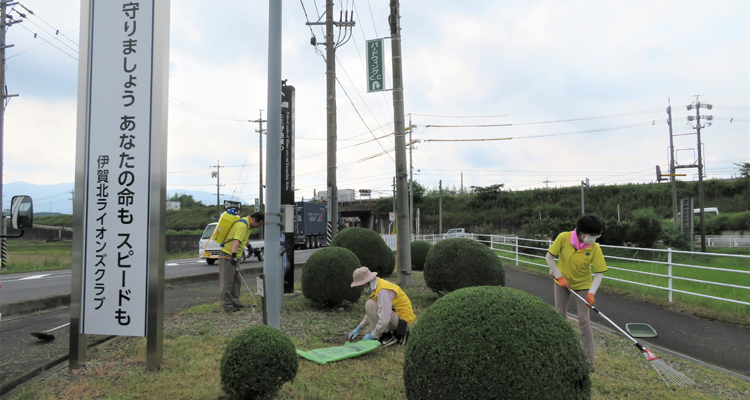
{"x": 628, "y": 114}
{"x": 551, "y": 134}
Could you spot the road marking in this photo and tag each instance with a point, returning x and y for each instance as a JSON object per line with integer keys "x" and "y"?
{"x": 171, "y": 264}
{"x": 34, "y": 277}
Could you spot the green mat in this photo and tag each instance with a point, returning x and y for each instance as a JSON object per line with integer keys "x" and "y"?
{"x": 330, "y": 354}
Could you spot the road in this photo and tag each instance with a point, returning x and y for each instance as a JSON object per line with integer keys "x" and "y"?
{"x": 34, "y": 285}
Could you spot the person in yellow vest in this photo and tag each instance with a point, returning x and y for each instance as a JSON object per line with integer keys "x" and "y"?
{"x": 229, "y": 264}
{"x": 388, "y": 313}
{"x": 578, "y": 254}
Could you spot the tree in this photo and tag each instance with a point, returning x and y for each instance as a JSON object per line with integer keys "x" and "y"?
{"x": 646, "y": 227}
{"x": 488, "y": 193}
{"x": 744, "y": 169}
{"x": 186, "y": 200}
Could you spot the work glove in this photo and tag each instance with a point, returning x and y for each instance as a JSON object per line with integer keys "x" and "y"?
{"x": 367, "y": 337}
{"x": 354, "y": 333}
{"x": 563, "y": 282}
{"x": 234, "y": 260}
{"x": 590, "y": 300}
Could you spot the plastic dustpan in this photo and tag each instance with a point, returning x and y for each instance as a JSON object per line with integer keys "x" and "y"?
{"x": 640, "y": 330}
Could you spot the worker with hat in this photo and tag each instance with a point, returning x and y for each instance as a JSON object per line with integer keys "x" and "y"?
{"x": 388, "y": 313}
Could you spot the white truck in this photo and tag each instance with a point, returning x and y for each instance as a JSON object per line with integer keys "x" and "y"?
{"x": 456, "y": 233}
{"x": 210, "y": 250}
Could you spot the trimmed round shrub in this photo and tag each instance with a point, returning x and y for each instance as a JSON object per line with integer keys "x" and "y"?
{"x": 419, "y": 251}
{"x": 369, "y": 247}
{"x": 257, "y": 362}
{"x": 494, "y": 342}
{"x": 327, "y": 276}
{"x": 457, "y": 263}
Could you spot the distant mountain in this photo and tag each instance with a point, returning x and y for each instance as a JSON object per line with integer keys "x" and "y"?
{"x": 58, "y": 198}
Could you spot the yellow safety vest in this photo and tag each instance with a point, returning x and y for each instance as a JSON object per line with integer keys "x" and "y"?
{"x": 401, "y": 303}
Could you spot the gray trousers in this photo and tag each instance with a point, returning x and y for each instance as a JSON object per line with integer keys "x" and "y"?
{"x": 562, "y": 296}
{"x": 229, "y": 285}
{"x": 371, "y": 309}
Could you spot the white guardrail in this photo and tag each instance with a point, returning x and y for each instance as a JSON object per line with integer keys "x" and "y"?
{"x": 496, "y": 242}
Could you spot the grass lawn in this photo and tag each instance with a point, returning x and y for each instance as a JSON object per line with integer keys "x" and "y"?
{"x": 29, "y": 255}
{"x": 644, "y": 262}
{"x": 194, "y": 341}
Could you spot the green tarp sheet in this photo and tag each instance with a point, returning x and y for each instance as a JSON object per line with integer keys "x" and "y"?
{"x": 330, "y": 354}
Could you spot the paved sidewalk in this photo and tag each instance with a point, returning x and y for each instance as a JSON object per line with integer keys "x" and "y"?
{"x": 723, "y": 345}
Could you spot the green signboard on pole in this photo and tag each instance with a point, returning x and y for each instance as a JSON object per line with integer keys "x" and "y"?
{"x": 375, "y": 79}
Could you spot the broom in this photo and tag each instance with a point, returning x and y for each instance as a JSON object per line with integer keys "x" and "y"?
{"x": 667, "y": 373}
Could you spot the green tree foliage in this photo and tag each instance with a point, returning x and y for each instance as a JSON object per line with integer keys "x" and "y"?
{"x": 327, "y": 276}
{"x": 186, "y": 200}
{"x": 453, "y": 264}
{"x": 419, "y": 252}
{"x": 257, "y": 362}
{"x": 744, "y": 168}
{"x": 493, "y": 342}
{"x": 645, "y": 229}
{"x": 369, "y": 247}
{"x": 509, "y": 211}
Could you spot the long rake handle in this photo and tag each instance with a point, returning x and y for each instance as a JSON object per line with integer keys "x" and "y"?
{"x": 607, "y": 318}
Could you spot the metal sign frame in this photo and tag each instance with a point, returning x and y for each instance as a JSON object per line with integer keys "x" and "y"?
{"x": 119, "y": 43}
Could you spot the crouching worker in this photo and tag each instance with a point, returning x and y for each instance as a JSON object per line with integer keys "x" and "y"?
{"x": 389, "y": 316}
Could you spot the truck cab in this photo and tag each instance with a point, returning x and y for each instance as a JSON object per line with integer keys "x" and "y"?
{"x": 210, "y": 250}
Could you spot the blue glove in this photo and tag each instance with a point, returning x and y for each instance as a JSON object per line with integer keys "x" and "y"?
{"x": 367, "y": 337}
{"x": 354, "y": 333}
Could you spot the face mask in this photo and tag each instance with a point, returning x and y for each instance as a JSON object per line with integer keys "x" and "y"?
{"x": 367, "y": 289}
{"x": 588, "y": 239}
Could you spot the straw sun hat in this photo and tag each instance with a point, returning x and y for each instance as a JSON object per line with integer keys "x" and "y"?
{"x": 362, "y": 275}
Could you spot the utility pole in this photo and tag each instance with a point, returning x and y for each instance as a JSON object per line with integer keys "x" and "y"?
{"x": 584, "y": 184}
{"x": 403, "y": 238}
{"x": 440, "y": 209}
{"x": 672, "y": 164}
{"x": 411, "y": 177}
{"x": 215, "y": 174}
{"x": 260, "y": 131}
{"x": 698, "y": 106}
{"x": 547, "y": 181}
{"x": 3, "y": 100}
{"x": 272, "y": 266}
{"x": 331, "y": 46}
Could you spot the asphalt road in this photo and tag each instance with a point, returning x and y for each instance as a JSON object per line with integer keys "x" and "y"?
{"x": 34, "y": 285}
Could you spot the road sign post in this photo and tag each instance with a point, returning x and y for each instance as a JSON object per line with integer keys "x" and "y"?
{"x": 375, "y": 77}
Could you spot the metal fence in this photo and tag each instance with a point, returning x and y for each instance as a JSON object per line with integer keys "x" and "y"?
{"x": 520, "y": 251}
{"x": 725, "y": 241}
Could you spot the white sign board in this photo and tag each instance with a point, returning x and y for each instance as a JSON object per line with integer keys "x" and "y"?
{"x": 391, "y": 216}
{"x": 118, "y": 169}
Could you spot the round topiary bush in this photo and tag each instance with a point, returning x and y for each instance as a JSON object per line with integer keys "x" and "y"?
{"x": 257, "y": 362}
{"x": 327, "y": 276}
{"x": 418, "y": 254}
{"x": 369, "y": 247}
{"x": 457, "y": 263}
{"x": 494, "y": 342}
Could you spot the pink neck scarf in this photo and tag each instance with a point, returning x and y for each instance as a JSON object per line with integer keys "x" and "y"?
{"x": 579, "y": 245}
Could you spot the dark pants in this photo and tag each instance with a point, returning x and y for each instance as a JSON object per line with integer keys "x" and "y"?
{"x": 229, "y": 285}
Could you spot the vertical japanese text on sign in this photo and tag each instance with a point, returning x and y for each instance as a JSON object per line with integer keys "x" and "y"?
{"x": 375, "y": 77}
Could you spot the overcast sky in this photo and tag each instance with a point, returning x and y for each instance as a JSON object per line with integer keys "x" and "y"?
{"x": 551, "y": 69}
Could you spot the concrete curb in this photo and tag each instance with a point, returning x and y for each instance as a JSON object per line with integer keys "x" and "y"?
{"x": 52, "y": 302}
